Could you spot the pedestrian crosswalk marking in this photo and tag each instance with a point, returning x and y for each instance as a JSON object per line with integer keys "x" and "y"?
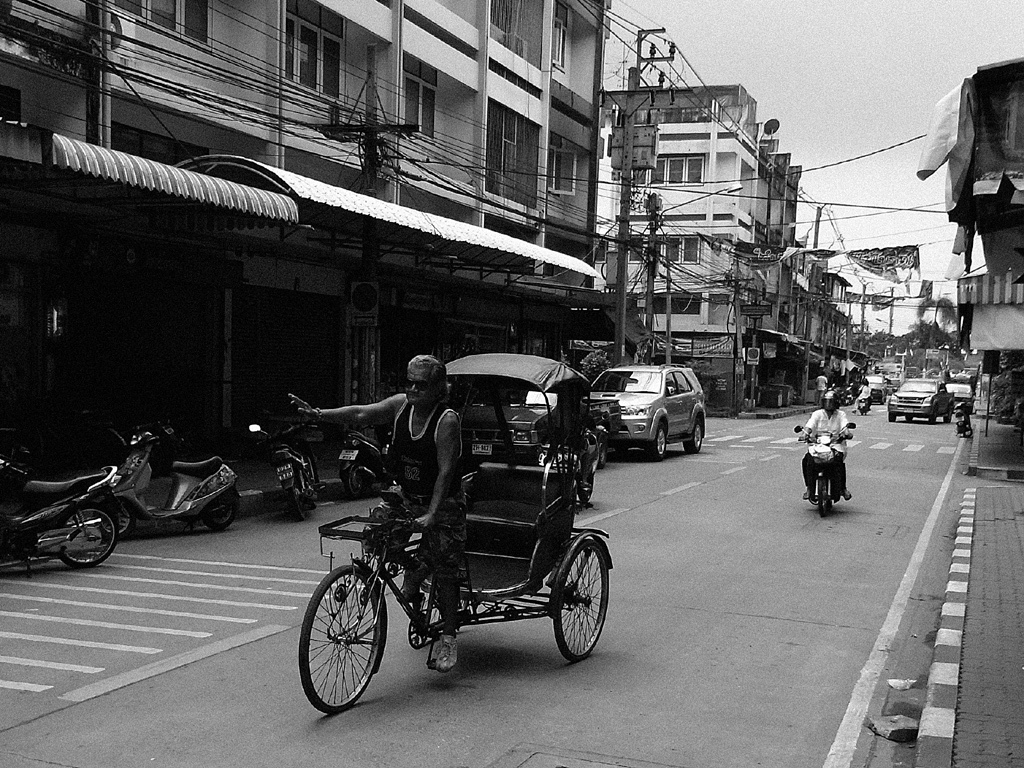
{"x": 49, "y": 665}
{"x": 104, "y": 624}
{"x": 913, "y": 447}
{"x": 721, "y": 439}
{"x": 224, "y": 563}
{"x": 129, "y": 609}
{"x": 881, "y": 446}
{"x": 161, "y": 596}
{"x": 80, "y": 643}
{"x": 947, "y": 449}
{"x": 851, "y": 443}
{"x": 730, "y": 471}
{"x": 34, "y": 688}
{"x": 786, "y": 440}
{"x": 759, "y": 439}
{"x": 196, "y": 585}
{"x": 214, "y": 574}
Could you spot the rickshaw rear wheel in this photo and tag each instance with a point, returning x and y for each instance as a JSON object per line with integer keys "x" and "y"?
{"x": 344, "y": 631}
{"x": 579, "y": 599}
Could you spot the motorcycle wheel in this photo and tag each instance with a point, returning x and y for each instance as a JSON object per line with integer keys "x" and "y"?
{"x": 357, "y": 482}
{"x": 303, "y": 491}
{"x": 219, "y": 515}
{"x": 125, "y": 520}
{"x": 93, "y": 540}
{"x": 585, "y": 485}
{"x": 824, "y": 494}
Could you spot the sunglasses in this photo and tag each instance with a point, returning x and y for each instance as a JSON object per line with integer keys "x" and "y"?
{"x": 417, "y": 385}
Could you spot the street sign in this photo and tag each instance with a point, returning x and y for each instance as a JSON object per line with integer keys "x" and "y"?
{"x": 756, "y": 309}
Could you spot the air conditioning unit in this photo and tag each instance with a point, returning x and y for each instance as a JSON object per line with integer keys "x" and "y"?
{"x": 122, "y": 40}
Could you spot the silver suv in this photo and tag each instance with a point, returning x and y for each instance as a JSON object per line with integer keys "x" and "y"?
{"x": 660, "y": 403}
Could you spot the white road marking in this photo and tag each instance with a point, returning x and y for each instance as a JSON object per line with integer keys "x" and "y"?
{"x": 730, "y": 471}
{"x": 913, "y": 447}
{"x": 80, "y": 643}
{"x": 104, "y": 624}
{"x": 173, "y": 662}
{"x": 946, "y": 449}
{"x": 680, "y": 488}
{"x": 129, "y": 608}
{"x": 604, "y": 516}
{"x": 759, "y": 439}
{"x": 49, "y": 665}
{"x": 32, "y": 687}
{"x": 255, "y": 566}
{"x": 880, "y": 446}
{"x": 851, "y": 443}
{"x": 196, "y": 585}
{"x": 785, "y": 440}
{"x": 769, "y": 457}
{"x": 214, "y": 574}
{"x": 721, "y": 439}
{"x": 845, "y": 744}
{"x": 161, "y": 596}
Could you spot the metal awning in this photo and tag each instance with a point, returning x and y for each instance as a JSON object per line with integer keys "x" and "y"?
{"x": 1005, "y": 288}
{"x": 132, "y": 171}
{"x": 343, "y": 209}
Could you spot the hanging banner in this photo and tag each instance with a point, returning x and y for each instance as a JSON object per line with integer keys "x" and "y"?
{"x": 713, "y": 346}
{"x": 760, "y": 256}
{"x": 894, "y": 264}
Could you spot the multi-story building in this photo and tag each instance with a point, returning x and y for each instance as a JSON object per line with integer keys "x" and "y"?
{"x": 716, "y": 211}
{"x": 192, "y": 189}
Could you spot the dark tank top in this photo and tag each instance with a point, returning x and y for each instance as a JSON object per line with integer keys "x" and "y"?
{"x": 414, "y": 457}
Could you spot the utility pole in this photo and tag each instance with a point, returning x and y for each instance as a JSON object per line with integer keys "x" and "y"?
{"x": 810, "y": 305}
{"x": 653, "y": 210}
{"x": 628, "y": 104}
{"x": 363, "y": 351}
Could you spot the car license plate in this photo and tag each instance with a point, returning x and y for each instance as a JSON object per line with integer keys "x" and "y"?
{"x": 482, "y": 449}
{"x": 348, "y": 455}
{"x": 285, "y": 472}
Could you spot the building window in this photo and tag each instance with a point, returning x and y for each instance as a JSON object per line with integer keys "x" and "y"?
{"x": 560, "y": 36}
{"x": 10, "y": 104}
{"x": 561, "y": 165}
{"x": 682, "y": 249}
{"x": 513, "y": 152}
{"x": 518, "y": 25}
{"x": 152, "y": 146}
{"x": 189, "y": 17}
{"x": 684, "y": 169}
{"x": 683, "y": 303}
{"x": 420, "y": 94}
{"x": 314, "y": 38}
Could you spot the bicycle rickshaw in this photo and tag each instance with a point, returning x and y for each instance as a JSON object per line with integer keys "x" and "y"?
{"x": 525, "y": 558}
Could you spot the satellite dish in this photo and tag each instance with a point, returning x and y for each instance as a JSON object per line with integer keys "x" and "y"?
{"x": 771, "y": 127}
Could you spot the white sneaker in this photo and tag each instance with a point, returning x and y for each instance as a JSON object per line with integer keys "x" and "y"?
{"x": 448, "y": 654}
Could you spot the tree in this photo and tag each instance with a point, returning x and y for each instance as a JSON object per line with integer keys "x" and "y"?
{"x": 943, "y": 314}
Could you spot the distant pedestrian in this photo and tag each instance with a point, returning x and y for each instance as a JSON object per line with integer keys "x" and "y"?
{"x": 820, "y": 385}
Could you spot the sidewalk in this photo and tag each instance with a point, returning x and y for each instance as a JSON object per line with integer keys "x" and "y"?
{"x": 974, "y": 715}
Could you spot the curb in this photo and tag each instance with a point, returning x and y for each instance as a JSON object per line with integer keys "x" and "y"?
{"x": 938, "y": 719}
{"x": 777, "y": 414}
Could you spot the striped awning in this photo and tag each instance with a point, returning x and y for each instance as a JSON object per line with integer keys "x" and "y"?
{"x": 991, "y": 289}
{"x": 345, "y": 209}
{"x": 138, "y": 172}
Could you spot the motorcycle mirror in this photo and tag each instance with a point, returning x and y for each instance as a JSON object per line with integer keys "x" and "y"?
{"x": 798, "y": 429}
{"x": 851, "y": 425}
{"x": 255, "y": 428}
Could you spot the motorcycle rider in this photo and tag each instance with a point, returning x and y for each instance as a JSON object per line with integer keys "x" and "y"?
{"x": 425, "y": 451}
{"x": 828, "y": 418}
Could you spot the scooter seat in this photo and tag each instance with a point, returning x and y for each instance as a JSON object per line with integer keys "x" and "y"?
{"x": 61, "y": 488}
{"x": 198, "y": 468}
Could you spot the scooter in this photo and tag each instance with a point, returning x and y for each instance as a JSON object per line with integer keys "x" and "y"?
{"x": 74, "y": 520}
{"x": 361, "y": 464}
{"x": 293, "y": 458}
{"x": 863, "y": 405}
{"x": 201, "y": 491}
{"x": 826, "y": 458}
{"x": 962, "y": 414}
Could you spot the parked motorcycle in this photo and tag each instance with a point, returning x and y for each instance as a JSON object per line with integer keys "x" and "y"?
{"x": 74, "y": 520}
{"x": 826, "y": 457}
{"x": 293, "y": 458}
{"x": 361, "y": 464}
{"x": 962, "y": 415}
{"x": 201, "y": 491}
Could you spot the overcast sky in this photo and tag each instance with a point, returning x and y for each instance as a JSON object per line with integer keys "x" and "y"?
{"x": 846, "y": 78}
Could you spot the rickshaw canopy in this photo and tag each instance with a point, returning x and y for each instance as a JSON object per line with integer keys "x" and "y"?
{"x": 543, "y": 373}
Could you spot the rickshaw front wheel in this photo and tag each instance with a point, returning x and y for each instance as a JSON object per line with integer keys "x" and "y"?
{"x": 579, "y": 599}
{"x": 342, "y": 639}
